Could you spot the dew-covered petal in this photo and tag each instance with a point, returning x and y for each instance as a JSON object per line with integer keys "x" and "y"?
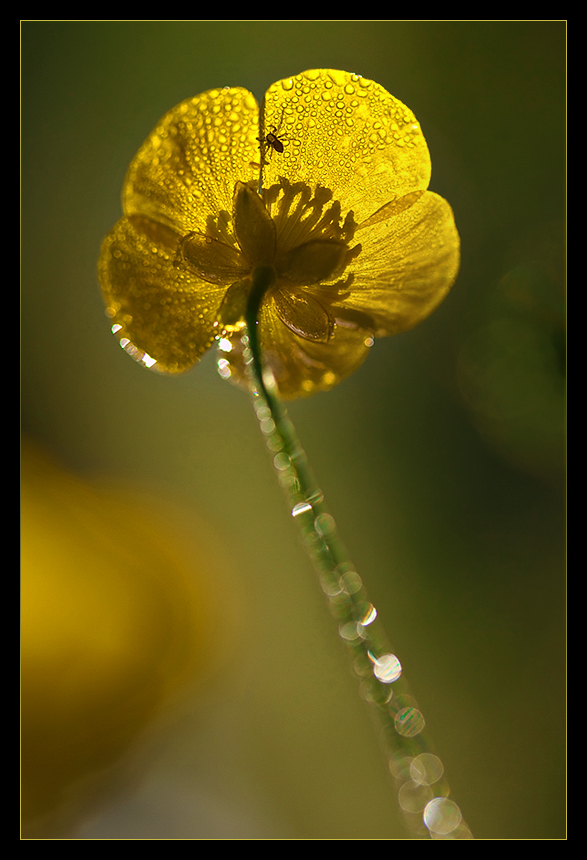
{"x": 302, "y": 366}
{"x": 303, "y": 314}
{"x": 347, "y": 133}
{"x": 187, "y": 168}
{"x": 406, "y": 266}
{"x": 163, "y": 310}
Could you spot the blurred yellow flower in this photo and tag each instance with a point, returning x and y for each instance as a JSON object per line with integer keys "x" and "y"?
{"x": 117, "y": 624}
{"x": 326, "y": 186}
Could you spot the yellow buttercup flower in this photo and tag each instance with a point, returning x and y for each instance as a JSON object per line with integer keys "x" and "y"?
{"x": 325, "y": 188}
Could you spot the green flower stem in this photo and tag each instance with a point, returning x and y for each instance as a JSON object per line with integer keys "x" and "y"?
{"x": 422, "y": 789}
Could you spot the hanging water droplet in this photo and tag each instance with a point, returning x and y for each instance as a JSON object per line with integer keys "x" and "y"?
{"x": 369, "y": 616}
{"x": 224, "y": 368}
{"x": 409, "y": 722}
{"x": 386, "y": 668}
{"x": 315, "y": 498}
{"x": 300, "y": 508}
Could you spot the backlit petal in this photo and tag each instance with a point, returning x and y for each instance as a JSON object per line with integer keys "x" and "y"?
{"x": 407, "y": 265}
{"x": 187, "y": 168}
{"x": 357, "y": 245}
{"x": 301, "y": 366}
{"x": 347, "y": 133}
{"x": 156, "y": 308}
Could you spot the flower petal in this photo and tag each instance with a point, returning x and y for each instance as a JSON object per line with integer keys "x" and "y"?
{"x": 303, "y": 366}
{"x": 157, "y": 309}
{"x": 188, "y": 166}
{"x": 347, "y": 133}
{"x": 406, "y": 266}
{"x": 233, "y": 308}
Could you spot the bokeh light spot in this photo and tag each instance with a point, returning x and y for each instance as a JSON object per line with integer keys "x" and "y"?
{"x": 409, "y": 722}
{"x": 442, "y": 815}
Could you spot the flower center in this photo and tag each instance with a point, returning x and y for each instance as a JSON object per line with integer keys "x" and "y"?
{"x": 290, "y": 230}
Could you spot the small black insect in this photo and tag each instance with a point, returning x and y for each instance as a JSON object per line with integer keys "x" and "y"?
{"x": 273, "y": 140}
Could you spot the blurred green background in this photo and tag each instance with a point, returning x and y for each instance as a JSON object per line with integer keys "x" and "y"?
{"x": 442, "y": 458}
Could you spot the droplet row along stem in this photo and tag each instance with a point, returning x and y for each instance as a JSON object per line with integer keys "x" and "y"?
{"x": 426, "y": 808}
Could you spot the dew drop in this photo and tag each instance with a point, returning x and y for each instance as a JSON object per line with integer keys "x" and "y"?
{"x": 399, "y": 765}
{"x": 387, "y": 668}
{"x": 281, "y": 462}
{"x": 378, "y": 696}
{"x": 300, "y": 508}
{"x": 409, "y": 722}
{"x": 426, "y": 769}
{"x": 330, "y": 583}
{"x": 262, "y": 410}
{"x": 442, "y": 815}
{"x": 369, "y": 616}
{"x": 224, "y": 368}
{"x": 274, "y": 443}
{"x": 413, "y": 797}
{"x": 148, "y": 361}
{"x": 349, "y": 631}
{"x": 350, "y": 579}
{"x": 267, "y": 426}
{"x": 325, "y": 525}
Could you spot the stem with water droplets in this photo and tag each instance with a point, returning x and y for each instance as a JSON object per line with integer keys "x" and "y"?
{"x": 422, "y": 788}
